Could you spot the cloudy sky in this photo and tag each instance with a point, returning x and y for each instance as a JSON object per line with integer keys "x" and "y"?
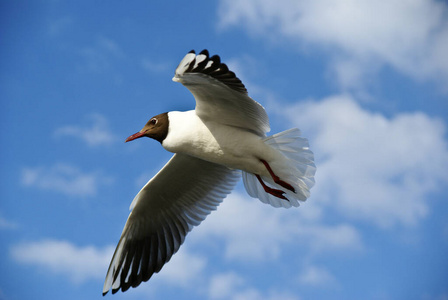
{"x": 365, "y": 81}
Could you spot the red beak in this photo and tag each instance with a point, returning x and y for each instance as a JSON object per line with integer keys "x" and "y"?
{"x": 135, "y": 136}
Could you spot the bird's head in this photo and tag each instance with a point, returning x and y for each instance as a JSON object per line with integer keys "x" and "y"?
{"x": 156, "y": 128}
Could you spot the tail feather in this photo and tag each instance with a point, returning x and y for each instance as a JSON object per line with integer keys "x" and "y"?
{"x": 297, "y": 168}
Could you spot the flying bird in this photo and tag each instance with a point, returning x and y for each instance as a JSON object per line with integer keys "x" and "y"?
{"x": 215, "y": 144}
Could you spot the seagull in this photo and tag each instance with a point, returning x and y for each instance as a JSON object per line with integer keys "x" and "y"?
{"x": 221, "y": 140}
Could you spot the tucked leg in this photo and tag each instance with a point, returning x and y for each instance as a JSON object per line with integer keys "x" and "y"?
{"x": 276, "y": 179}
{"x": 274, "y": 192}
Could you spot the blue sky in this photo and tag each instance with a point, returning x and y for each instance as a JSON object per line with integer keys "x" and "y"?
{"x": 365, "y": 81}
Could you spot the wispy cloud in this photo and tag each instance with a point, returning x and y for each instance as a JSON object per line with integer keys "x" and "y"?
{"x": 224, "y": 285}
{"x": 155, "y": 66}
{"x": 338, "y": 238}
{"x": 184, "y": 268}
{"x": 410, "y": 36}
{"x": 58, "y": 26}
{"x": 259, "y": 233}
{"x": 317, "y": 276}
{"x": 7, "y": 224}
{"x": 246, "y": 238}
{"x": 111, "y": 47}
{"x": 61, "y": 257}
{"x": 371, "y": 167}
{"x": 65, "y": 179}
{"x": 233, "y": 286}
{"x": 96, "y": 132}
{"x": 99, "y": 57}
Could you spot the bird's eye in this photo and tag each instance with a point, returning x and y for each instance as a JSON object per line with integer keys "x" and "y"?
{"x": 153, "y": 121}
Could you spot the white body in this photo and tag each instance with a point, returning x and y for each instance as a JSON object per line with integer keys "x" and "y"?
{"x": 226, "y": 145}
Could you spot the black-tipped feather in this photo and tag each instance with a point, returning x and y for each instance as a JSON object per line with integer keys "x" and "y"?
{"x": 219, "y": 94}
{"x": 213, "y": 67}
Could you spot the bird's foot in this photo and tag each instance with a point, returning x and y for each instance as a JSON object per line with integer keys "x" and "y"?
{"x": 277, "y": 179}
{"x": 269, "y": 190}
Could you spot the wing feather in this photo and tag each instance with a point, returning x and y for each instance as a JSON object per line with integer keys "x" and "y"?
{"x": 178, "y": 198}
{"x": 220, "y": 95}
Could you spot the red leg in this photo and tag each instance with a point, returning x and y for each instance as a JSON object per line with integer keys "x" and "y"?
{"x": 277, "y": 180}
{"x": 274, "y": 192}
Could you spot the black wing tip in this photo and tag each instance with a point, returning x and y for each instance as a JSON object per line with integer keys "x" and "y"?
{"x": 142, "y": 258}
{"x": 204, "y": 52}
{"x": 213, "y": 67}
{"x": 124, "y": 286}
{"x": 216, "y": 59}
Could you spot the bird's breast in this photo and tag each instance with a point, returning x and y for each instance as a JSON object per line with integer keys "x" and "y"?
{"x": 214, "y": 142}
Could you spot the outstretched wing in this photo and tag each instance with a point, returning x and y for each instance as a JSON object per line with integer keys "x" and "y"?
{"x": 220, "y": 95}
{"x": 178, "y": 198}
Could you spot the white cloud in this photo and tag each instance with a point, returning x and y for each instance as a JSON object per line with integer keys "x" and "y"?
{"x": 411, "y": 36}
{"x": 255, "y": 294}
{"x": 371, "y": 167}
{"x": 233, "y": 286}
{"x": 254, "y": 231}
{"x": 61, "y": 257}
{"x": 80, "y": 264}
{"x": 323, "y": 238}
{"x": 184, "y": 268}
{"x": 317, "y": 276}
{"x": 248, "y": 226}
{"x": 96, "y": 133}
{"x": 65, "y": 179}
{"x": 222, "y": 286}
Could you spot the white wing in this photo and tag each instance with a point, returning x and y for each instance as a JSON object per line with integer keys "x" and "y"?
{"x": 220, "y": 95}
{"x": 178, "y": 198}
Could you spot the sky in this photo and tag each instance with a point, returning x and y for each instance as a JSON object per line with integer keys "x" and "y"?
{"x": 365, "y": 81}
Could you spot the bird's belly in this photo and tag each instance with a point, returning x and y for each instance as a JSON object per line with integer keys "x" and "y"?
{"x": 235, "y": 154}
{"x": 247, "y": 161}
{"x": 226, "y": 146}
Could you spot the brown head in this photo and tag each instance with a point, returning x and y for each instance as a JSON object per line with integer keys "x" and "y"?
{"x": 156, "y": 128}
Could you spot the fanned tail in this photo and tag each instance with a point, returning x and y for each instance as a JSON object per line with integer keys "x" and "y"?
{"x": 297, "y": 168}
